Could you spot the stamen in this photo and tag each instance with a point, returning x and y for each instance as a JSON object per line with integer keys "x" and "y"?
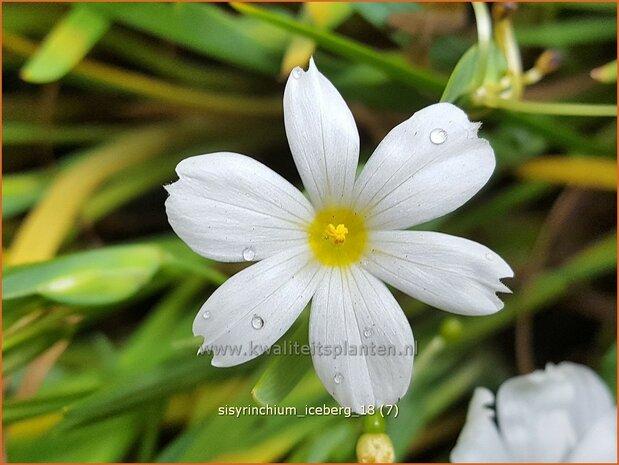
{"x": 337, "y": 234}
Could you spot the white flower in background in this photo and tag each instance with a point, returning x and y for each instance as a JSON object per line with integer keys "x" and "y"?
{"x": 338, "y": 247}
{"x": 563, "y": 414}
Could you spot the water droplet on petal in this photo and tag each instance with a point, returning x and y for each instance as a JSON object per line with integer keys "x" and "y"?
{"x": 338, "y": 378}
{"x": 438, "y": 136}
{"x": 206, "y": 315}
{"x": 368, "y": 332}
{"x": 248, "y": 254}
{"x": 297, "y": 73}
{"x": 257, "y": 322}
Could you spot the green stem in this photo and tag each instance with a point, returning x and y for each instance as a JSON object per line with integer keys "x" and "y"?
{"x": 396, "y": 68}
{"x": 436, "y": 345}
{"x": 506, "y": 40}
{"x": 550, "y": 108}
{"x": 484, "y": 36}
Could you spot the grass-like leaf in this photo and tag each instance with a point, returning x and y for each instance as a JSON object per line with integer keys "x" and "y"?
{"x": 69, "y": 41}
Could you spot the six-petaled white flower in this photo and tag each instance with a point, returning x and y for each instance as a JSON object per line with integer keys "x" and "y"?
{"x": 337, "y": 247}
{"x": 563, "y": 414}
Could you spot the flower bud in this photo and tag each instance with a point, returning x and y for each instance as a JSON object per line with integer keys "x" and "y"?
{"x": 375, "y": 448}
{"x": 549, "y": 61}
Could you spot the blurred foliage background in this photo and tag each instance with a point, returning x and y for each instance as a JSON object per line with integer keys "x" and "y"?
{"x": 102, "y": 100}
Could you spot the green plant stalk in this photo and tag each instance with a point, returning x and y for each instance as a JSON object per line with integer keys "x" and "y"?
{"x": 506, "y": 40}
{"x": 152, "y": 417}
{"x": 21, "y": 133}
{"x": 550, "y": 108}
{"x": 49, "y": 323}
{"x": 484, "y": 36}
{"x": 347, "y": 48}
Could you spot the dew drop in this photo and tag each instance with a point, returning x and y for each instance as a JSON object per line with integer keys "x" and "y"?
{"x": 257, "y": 322}
{"x": 438, "y": 136}
{"x": 206, "y": 315}
{"x": 297, "y": 73}
{"x": 368, "y": 332}
{"x": 248, "y": 254}
{"x": 338, "y": 378}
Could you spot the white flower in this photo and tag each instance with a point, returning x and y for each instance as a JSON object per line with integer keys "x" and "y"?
{"x": 563, "y": 414}
{"x": 337, "y": 247}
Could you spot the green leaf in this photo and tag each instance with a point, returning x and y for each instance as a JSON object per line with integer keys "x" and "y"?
{"x": 97, "y": 277}
{"x": 156, "y": 383}
{"x": 205, "y": 29}
{"x": 441, "y": 384}
{"x": 21, "y": 133}
{"x": 284, "y": 370}
{"x": 142, "y": 349}
{"x": 22, "y": 354}
{"x": 462, "y": 79}
{"x": 103, "y": 442}
{"x": 20, "y": 409}
{"x": 568, "y": 33}
{"x": 21, "y": 191}
{"x": 327, "y": 443}
{"x": 248, "y": 438}
{"x": 461, "y": 82}
{"x": 65, "y": 45}
{"x": 178, "y": 255}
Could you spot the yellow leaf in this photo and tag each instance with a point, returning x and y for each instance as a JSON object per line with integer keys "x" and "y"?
{"x": 42, "y": 232}
{"x": 33, "y": 427}
{"x": 322, "y": 15}
{"x": 582, "y": 171}
{"x": 328, "y": 15}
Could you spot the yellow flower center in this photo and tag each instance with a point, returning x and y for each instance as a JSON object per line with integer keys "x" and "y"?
{"x": 337, "y": 245}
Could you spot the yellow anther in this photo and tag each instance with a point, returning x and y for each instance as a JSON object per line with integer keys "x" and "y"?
{"x": 337, "y": 234}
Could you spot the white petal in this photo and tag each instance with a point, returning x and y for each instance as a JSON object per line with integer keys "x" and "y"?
{"x": 226, "y": 205}
{"x": 447, "y": 272}
{"x": 480, "y": 440}
{"x": 254, "y": 308}
{"x": 410, "y": 180}
{"x": 600, "y": 442}
{"x": 367, "y": 344}
{"x": 322, "y": 135}
{"x": 543, "y": 415}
